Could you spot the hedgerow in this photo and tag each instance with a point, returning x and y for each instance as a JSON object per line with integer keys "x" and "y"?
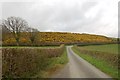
{"x": 26, "y": 62}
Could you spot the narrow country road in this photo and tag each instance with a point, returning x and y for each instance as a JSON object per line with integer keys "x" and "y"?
{"x": 79, "y": 68}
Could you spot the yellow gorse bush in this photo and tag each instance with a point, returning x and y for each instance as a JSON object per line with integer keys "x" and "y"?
{"x": 45, "y": 38}
{"x": 9, "y": 41}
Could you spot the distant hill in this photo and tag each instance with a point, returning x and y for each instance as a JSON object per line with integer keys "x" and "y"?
{"x": 55, "y": 38}
{"x": 62, "y": 37}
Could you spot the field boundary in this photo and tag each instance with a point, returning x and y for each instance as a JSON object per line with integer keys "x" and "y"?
{"x": 99, "y": 63}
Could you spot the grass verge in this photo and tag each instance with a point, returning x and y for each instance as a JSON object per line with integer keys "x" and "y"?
{"x": 101, "y": 64}
{"x": 54, "y": 64}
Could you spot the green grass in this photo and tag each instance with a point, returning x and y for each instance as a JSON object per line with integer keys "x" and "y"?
{"x": 110, "y": 48}
{"x": 101, "y": 64}
{"x": 54, "y": 64}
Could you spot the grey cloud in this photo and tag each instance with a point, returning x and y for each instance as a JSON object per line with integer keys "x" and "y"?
{"x": 60, "y": 15}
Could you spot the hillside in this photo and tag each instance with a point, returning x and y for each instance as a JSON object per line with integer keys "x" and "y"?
{"x": 54, "y": 38}
{"x": 71, "y": 37}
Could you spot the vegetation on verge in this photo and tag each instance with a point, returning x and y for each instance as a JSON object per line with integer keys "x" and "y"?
{"x": 100, "y": 60}
{"x": 27, "y": 62}
{"x": 55, "y": 63}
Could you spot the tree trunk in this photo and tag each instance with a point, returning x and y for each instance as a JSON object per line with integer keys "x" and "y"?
{"x": 17, "y": 40}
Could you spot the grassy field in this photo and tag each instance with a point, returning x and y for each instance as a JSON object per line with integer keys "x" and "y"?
{"x": 110, "y": 48}
{"x": 102, "y": 60}
{"x": 32, "y": 62}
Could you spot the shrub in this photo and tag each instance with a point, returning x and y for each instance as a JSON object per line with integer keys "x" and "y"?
{"x": 10, "y": 41}
{"x": 24, "y": 41}
{"x": 26, "y": 62}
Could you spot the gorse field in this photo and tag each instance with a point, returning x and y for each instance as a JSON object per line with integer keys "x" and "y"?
{"x": 55, "y": 38}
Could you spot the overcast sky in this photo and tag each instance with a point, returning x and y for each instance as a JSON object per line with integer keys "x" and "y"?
{"x": 81, "y": 16}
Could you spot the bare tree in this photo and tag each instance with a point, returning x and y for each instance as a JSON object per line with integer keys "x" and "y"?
{"x": 32, "y": 34}
{"x": 16, "y": 25}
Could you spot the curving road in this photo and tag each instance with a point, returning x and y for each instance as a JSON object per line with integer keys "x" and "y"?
{"x": 79, "y": 68}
